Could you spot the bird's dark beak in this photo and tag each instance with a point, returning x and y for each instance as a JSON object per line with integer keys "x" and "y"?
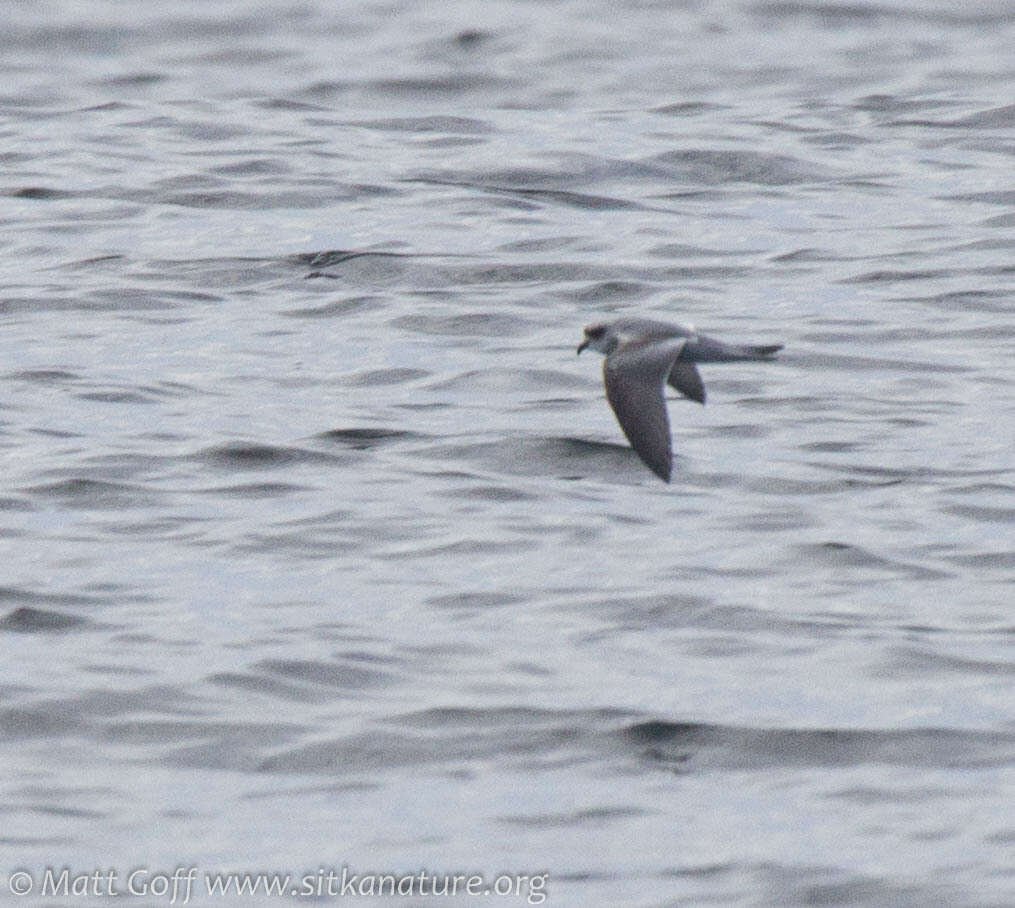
{"x": 582, "y": 346}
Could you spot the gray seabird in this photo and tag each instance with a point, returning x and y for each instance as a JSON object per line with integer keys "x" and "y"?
{"x": 642, "y": 356}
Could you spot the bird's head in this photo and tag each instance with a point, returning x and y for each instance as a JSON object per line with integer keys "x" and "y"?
{"x": 598, "y": 337}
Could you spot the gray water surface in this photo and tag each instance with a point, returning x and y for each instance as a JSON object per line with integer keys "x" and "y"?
{"x": 322, "y": 549}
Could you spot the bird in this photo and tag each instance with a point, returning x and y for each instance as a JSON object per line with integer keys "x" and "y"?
{"x": 642, "y": 357}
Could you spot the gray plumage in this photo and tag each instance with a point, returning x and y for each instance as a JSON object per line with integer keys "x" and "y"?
{"x": 642, "y": 356}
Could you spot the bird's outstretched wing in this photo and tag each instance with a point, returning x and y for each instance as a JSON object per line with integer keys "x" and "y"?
{"x": 684, "y": 378}
{"x": 634, "y": 377}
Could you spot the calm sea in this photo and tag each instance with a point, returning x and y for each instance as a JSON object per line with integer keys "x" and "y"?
{"x": 322, "y": 553}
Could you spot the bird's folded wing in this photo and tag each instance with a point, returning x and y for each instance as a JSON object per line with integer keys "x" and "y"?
{"x": 634, "y": 379}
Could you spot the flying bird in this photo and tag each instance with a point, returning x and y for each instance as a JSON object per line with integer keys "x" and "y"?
{"x": 642, "y": 357}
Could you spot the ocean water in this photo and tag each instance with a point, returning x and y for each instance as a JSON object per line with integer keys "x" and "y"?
{"x": 322, "y": 553}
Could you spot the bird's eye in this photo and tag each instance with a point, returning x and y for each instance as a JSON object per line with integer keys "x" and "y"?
{"x": 595, "y": 331}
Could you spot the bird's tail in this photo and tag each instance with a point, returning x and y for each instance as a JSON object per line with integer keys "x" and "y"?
{"x": 764, "y": 351}
{"x": 702, "y": 349}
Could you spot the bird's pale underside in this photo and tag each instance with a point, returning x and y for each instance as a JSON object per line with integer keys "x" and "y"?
{"x": 642, "y": 357}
